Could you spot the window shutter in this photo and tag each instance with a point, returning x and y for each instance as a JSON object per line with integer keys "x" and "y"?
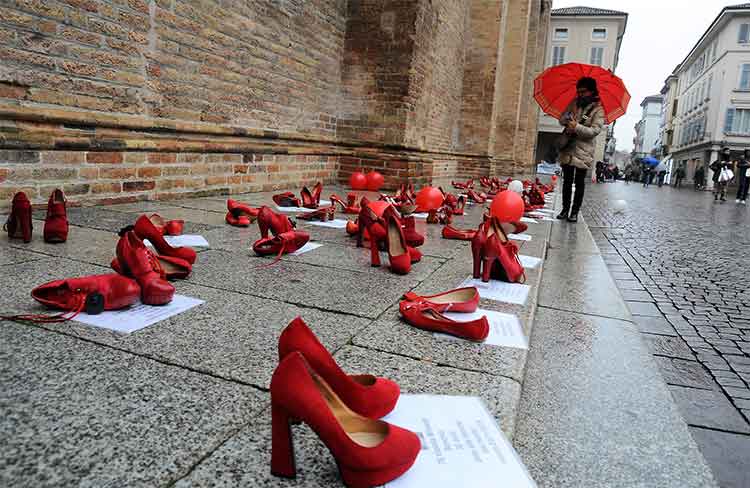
{"x": 729, "y": 122}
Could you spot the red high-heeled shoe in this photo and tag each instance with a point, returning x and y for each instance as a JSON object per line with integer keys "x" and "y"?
{"x": 239, "y": 209}
{"x": 241, "y": 221}
{"x": 413, "y": 238}
{"x": 368, "y": 221}
{"x": 423, "y": 316}
{"x": 367, "y": 395}
{"x": 168, "y": 267}
{"x": 477, "y": 246}
{"x": 477, "y": 198}
{"x": 19, "y": 224}
{"x": 280, "y": 244}
{"x": 464, "y": 300}
{"x": 322, "y": 214}
{"x": 460, "y": 205}
{"x": 395, "y": 244}
{"x": 499, "y": 256}
{"x": 348, "y": 207}
{"x": 311, "y": 199}
{"x": 167, "y": 227}
{"x": 56, "y": 222}
{"x": 286, "y": 199}
{"x": 275, "y": 222}
{"x": 514, "y": 227}
{"x": 368, "y": 452}
{"x": 352, "y": 228}
{"x": 145, "y": 229}
{"x": 450, "y": 232}
{"x": 136, "y": 260}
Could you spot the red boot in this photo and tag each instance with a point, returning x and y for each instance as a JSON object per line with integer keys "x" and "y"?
{"x": 136, "y": 260}
{"x": 56, "y": 222}
{"x": 18, "y": 224}
{"x": 367, "y": 395}
{"x": 368, "y": 452}
{"x": 145, "y": 229}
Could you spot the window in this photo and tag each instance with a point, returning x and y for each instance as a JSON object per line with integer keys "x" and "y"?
{"x": 737, "y": 121}
{"x": 599, "y": 34}
{"x": 713, "y": 50}
{"x": 561, "y": 34}
{"x": 744, "y": 37}
{"x": 745, "y": 77}
{"x": 597, "y": 55}
{"x": 558, "y": 55}
{"x": 710, "y": 84}
{"x": 674, "y": 108}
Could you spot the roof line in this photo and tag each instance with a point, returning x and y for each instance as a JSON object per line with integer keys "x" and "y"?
{"x": 726, "y": 9}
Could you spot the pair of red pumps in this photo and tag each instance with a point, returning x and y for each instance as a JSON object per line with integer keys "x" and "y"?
{"x": 426, "y": 313}
{"x": 19, "y": 224}
{"x": 494, "y": 255}
{"x": 284, "y": 237}
{"x": 463, "y": 186}
{"x": 343, "y": 410}
{"x": 310, "y": 199}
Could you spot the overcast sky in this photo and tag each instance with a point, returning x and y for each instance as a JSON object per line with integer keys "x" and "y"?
{"x": 660, "y": 33}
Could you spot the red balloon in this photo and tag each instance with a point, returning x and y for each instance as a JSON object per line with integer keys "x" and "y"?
{"x": 358, "y": 181}
{"x": 429, "y": 198}
{"x": 554, "y": 177}
{"x": 378, "y": 206}
{"x": 507, "y": 206}
{"x": 374, "y": 181}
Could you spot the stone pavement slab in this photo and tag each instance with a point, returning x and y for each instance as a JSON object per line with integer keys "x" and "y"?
{"x": 572, "y": 237}
{"x": 728, "y": 454}
{"x": 655, "y": 325}
{"x": 77, "y": 414}
{"x": 12, "y": 255}
{"x": 709, "y": 409}
{"x": 592, "y": 388}
{"x": 83, "y": 244}
{"x": 681, "y": 372}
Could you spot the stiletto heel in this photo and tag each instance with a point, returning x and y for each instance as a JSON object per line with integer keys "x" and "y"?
{"x": 477, "y": 267}
{"x": 486, "y": 268}
{"x": 282, "y": 447}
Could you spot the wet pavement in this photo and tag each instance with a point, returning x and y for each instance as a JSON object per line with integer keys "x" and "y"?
{"x": 682, "y": 263}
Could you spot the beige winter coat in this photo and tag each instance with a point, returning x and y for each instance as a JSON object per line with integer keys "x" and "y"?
{"x": 580, "y": 151}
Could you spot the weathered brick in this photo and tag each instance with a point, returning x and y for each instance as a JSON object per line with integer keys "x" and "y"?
{"x": 117, "y": 173}
{"x": 19, "y": 157}
{"x": 138, "y": 185}
{"x": 106, "y": 188}
{"x": 63, "y": 157}
{"x": 162, "y": 158}
{"x": 149, "y": 172}
{"x": 104, "y": 157}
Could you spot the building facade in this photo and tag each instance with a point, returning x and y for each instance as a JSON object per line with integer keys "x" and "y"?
{"x": 647, "y": 130}
{"x": 117, "y": 101}
{"x": 581, "y": 35}
{"x": 710, "y": 94}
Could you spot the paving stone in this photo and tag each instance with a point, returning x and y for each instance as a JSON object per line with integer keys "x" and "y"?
{"x": 710, "y": 409}
{"x": 742, "y": 393}
{"x": 684, "y": 373}
{"x": 629, "y": 285}
{"x": 642, "y": 308}
{"x": 636, "y": 295}
{"x": 77, "y": 414}
{"x": 13, "y": 255}
{"x": 654, "y": 325}
{"x": 728, "y": 454}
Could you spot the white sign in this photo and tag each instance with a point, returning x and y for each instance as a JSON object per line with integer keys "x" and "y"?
{"x": 527, "y": 220}
{"x": 186, "y": 240}
{"x": 306, "y": 248}
{"x": 505, "y": 329}
{"x": 520, "y": 237}
{"x": 529, "y": 262}
{"x": 499, "y": 291}
{"x": 419, "y": 215}
{"x": 323, "y": 203}
{"x": 333, "y": 224}
{"x": 462, "y": 445}
{"x": 139, "y": 315}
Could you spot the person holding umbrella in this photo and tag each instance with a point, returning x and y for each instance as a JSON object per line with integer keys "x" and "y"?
{"x": 583, "y": 98}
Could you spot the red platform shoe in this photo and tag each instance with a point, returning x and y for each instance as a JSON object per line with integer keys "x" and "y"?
{"x": 283, "y": 243}
{"x": 168, "y": 267}
{"x": 465, "y": 300}
{"x": 136, "y": 260}
{"x": 368, "y": 452}
{"x": 167, "y": 227}
{"x": 56, "y": 222}
{"x": 450, "y": 232}
{"x": 395, "y": 244}
{"x": 18, "y": 224}
{"x": 286, "y": 199}
{"x": 423, "y": 316}
{"x": 497, "y": 257}
{"x": 268, "y": 220}
{"x": 242, "y": 211}
{"x": 145, "y": 229}
{"x": 367, "y": 395}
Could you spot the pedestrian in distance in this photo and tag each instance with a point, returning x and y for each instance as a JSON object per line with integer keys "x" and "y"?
{"x": 647, "y": 175}
{"x": 583, "y": 121}
{"x": 679, "y": 175}
{"x": 699, "y": 179}
{"x": 720, "y": 182}
{"x": 660, "y": 181}
{"x": 742, "y": 173}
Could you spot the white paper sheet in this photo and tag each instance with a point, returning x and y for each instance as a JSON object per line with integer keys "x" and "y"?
{"x": 139, "y": 315}
{"x": 529, "y": 262}
{"x": 527, "y": 220}
{"x": 323, "y": 203}
{"x": 419, "y": 215}
{"x": 520, "y": 237}
{"x": 499, "y": 291}
{"x": 462, "y": 445}
{"x": 188, "y": 240}
{"x": 333, "y": 224}
{"x": 505, "y": 329}
{"x": 306, "y": 248}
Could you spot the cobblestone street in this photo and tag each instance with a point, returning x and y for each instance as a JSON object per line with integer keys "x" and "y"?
{"x": 681, "y": 263}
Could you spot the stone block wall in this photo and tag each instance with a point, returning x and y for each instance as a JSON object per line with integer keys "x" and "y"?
{"x": 116, "y": 100}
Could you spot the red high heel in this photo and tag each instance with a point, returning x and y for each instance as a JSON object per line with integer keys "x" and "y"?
{"x": 286, "y": 199}
{"x": 368, "y": 452}
{"x": 239, "y": 209}
{"x": 322, "y": 214}
{"x": 499, "y": 251}
{"x": 167, "y": 227}
{"x": 368, "y": 221}
{"x": 450, "y": 232}
{"x": 241, "y": 221}
{"x": 145, "y": 229}
{"x": 311, "y": 199}
{"x": 477, "y": 198}
{"x": 348, "y": 207}
{"x": 367, "y": 395}
{"x": 413, "y": 238}
{"x": 275, "y": 222}
{"x": 464, "y": 300}
{"x": 423, "y": 316}
{"x": 477, "y": 246}
{"x": 56, "y": 222}
{"x": 395, "y": 244}
{"x": 283, "y": 243}
{"x": 136, "y": 260}
{"x": 168, "y": 267}
{"x": 19, "y": 224}
{"x": 460, "y": 205}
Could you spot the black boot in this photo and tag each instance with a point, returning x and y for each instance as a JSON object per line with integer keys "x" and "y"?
{"x": 563, "y": 215}
{"x": 573, "y": 216}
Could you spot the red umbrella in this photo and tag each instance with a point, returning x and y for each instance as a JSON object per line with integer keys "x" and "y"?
{"x": 555, "y": 89}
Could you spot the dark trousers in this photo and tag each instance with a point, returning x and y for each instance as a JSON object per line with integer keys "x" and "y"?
{"x": 572, "y": 174}
{"x": 743, "y": 186}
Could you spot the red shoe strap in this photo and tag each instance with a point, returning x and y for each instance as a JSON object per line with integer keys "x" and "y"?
{"x": 51, "y": 319}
